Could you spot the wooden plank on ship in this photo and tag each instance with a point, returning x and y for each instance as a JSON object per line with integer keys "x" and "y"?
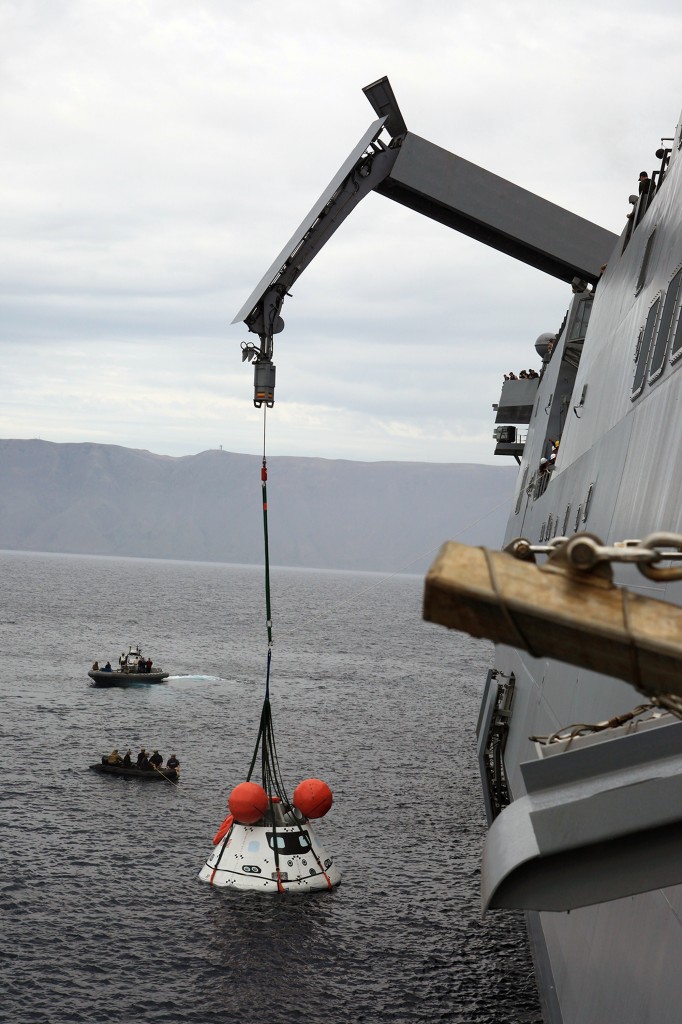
{"x": 583, "y": 620}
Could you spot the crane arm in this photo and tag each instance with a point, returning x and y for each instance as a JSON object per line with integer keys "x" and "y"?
{"x": 439, "y": 185}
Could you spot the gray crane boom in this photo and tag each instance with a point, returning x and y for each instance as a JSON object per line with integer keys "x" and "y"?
{"x": 439, "y": 185}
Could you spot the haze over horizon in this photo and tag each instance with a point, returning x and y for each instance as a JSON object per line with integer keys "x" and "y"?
{"x": 338, "y": 514}
{"x": 157, "y": 157}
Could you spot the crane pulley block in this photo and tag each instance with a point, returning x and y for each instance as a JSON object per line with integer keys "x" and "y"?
{"x": 264, "y": 384}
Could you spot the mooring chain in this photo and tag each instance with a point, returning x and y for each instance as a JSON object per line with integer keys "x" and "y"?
{"x": 584, "y": 552}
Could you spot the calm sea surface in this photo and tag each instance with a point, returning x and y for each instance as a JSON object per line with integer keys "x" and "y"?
{"x": 103, "y": 917}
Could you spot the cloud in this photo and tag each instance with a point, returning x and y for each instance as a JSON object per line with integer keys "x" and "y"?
{"x": 157, "y": 155}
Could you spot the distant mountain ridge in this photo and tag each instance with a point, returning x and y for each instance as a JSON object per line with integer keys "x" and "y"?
{"x": 322, "y": 513}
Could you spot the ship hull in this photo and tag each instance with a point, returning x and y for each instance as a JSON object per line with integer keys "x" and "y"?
{"x": 619, "y": 422}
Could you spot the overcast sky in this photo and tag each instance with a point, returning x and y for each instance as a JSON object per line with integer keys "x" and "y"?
{"x": 158, "y": 154}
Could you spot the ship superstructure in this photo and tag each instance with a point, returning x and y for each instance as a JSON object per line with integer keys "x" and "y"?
{"x": 610, "y": 394}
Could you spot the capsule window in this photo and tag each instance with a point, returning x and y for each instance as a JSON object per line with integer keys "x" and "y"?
{"x": 289, "y": 842}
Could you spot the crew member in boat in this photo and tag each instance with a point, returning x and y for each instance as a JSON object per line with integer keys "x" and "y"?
{"x": 156, "y": 759}
{"x": 142, "y": 759}
{"x": 173, "y": 763}
{"x": 107, "y": 667}
{"x": 115, "y": 758}
{"x": 95, "y": 666}
{"x": 148, "y": 665}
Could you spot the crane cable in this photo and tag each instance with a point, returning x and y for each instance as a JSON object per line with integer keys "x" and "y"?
{"x": 268, "y": 605}
{"x": 271, "y": 777}
{"x": 270, "y": 769}
{"x": 269, "y": 762}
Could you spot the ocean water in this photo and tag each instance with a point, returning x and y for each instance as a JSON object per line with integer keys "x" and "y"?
{"x": 103, "y": 916}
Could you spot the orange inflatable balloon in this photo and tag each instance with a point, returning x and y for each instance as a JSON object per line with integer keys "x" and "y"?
{"x": 223, "y": 830}
{"x": 313, "y": 797}
{"x": 248, "y": 802}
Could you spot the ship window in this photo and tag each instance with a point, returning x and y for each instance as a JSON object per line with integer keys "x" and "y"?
{"x": 664, "y": 325}
{"x": 541, "y": 485}
{"x": 577, "y": 516}
{"x": 520, "y": 497}
{"x": 588, "y": 502}
{"x": 676, "y": 332}
{"x": 582, "y": 317}
{"x": 568, "y": 512}
{"x": 645, "y": 262}
{"x": 643, "y": 347}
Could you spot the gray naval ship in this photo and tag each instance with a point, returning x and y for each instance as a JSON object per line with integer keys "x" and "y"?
{"x": 580, "y": 742}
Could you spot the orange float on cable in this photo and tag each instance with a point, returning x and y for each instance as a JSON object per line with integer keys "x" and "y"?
{"x": 248, "y": 802}
{"x": 313, "y": 797}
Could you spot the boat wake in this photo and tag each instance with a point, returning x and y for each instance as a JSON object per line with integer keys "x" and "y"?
{"x": 213, "y": 679}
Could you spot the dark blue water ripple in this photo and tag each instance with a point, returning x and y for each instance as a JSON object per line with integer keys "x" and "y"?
{"x": 104, "y": 918}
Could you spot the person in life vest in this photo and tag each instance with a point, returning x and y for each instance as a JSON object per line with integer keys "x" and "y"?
{"x": 173, "y": 763}
{"x": 114, "y": 758}
{"x": 156, "y": 759}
